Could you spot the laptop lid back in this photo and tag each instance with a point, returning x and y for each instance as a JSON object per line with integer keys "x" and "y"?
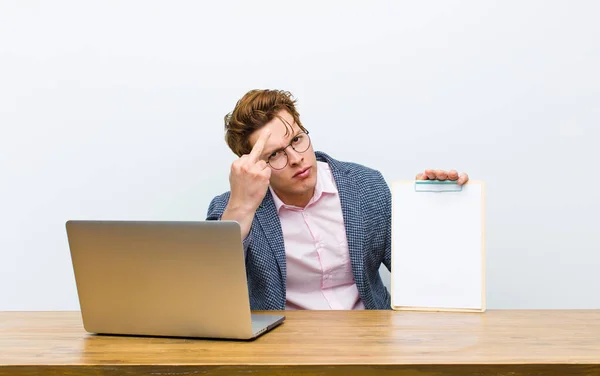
{"x": 161, "y": 278}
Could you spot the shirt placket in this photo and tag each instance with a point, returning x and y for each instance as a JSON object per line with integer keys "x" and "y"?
{"x": 327, "y": 259}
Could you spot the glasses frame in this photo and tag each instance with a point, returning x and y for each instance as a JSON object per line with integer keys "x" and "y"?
{"x": 287, "y": 159}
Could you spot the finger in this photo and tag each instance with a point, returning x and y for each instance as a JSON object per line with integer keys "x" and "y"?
{"x": 259, "y": 146}
{"x": 430, "y": 174}
{"x": 237, "y": 164}
{"x": 441, "y": 175}
{"x": 463, "y": 178}
{"x": 453, "y": 175}
{"x": 266, "y": 173}
{"x": 420, "y": 176}
{"x": 260, "y": 165}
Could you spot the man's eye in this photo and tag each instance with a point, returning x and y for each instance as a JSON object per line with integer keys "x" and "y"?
{"x": 273, "y": 154}
{"x": 296, "y": 139}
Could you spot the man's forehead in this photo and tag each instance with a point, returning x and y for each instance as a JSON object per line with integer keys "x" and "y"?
{"x": 282, "y": 127}
{"x": 282, "y": 134}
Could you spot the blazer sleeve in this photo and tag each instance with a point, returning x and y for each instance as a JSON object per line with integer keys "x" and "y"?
{"x": 215, "y": 211}
{"x": 387, "y": 225}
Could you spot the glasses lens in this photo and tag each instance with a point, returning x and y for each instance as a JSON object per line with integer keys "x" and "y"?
{"x": 278, "y": 161}
{"x": 301, "y": 143}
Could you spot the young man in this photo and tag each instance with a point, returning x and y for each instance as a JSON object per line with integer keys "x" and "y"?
{"x": 315, "y": 230}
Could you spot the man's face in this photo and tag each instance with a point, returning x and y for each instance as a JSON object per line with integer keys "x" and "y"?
{"x": 295, "y": 183}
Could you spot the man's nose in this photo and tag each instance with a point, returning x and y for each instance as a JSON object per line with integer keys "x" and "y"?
{"x": 294, "y": 157}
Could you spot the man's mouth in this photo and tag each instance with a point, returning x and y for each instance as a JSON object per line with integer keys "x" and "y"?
{"x": 302, "y": 173}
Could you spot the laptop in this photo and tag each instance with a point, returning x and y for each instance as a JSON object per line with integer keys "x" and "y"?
{"x": 164, "y": 278}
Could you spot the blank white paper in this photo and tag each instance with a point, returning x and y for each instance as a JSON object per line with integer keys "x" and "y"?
{"x": 437, "y": 248}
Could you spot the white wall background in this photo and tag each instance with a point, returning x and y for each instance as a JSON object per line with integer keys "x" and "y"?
{"x": 114, "y": 110}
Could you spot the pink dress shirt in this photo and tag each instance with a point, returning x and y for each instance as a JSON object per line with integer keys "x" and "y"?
{"x": 319, "y": 273}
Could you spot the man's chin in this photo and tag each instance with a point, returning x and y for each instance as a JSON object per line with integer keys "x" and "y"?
{"x": 307, "y": 186}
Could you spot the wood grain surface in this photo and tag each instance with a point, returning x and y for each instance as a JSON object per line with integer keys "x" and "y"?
{"x": 499, "y": 342}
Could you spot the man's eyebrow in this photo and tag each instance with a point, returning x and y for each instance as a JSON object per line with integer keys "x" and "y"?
{"x": 286, "y": 145}
{"x": 266, "y": 152}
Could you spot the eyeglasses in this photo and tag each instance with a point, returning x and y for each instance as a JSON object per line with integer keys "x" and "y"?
{"x": 279, "y": 159}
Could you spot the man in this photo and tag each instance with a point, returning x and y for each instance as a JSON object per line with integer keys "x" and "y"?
{"x": 315, "y": 230}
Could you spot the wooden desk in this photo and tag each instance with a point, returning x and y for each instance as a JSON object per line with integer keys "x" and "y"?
{"x": 319, "y": 343}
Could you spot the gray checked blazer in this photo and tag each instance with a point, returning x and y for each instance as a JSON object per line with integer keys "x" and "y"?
{"x": 366, "y": 205}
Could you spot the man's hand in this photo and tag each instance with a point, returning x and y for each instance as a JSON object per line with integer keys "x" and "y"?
{"x": 249, "y": 182}
{"x": 443, "y": 175}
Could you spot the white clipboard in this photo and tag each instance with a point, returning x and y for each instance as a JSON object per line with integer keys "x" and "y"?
{"x": 438, "y": 246}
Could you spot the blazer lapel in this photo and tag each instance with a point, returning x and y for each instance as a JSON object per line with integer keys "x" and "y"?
{"x": 351, "y": 210}
{"x": 269, "y": 221}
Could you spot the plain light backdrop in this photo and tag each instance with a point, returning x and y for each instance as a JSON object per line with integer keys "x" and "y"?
{"x": 114, "y": 110}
